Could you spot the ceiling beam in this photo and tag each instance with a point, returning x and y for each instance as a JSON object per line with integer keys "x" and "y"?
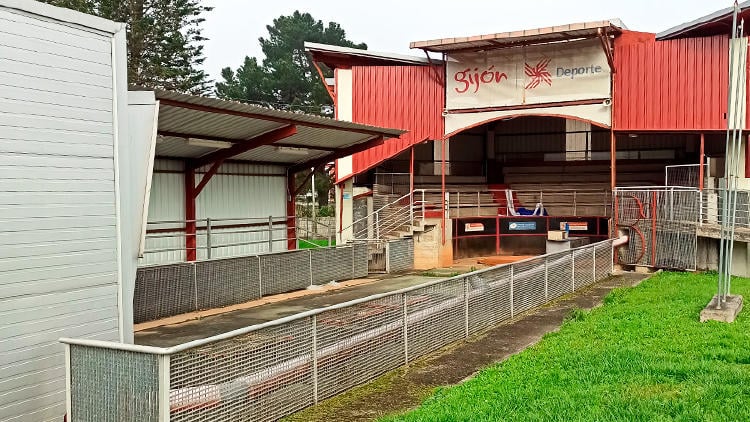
{"x": 343, "y": 152}
{"x": 191, "y": 135}
{"x": 244, "y": 146}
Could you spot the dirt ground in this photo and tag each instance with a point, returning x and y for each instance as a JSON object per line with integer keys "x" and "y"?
{"x": 406, "y": 388}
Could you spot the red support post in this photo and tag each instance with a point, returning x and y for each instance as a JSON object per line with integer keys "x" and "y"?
{"x": 191, "y": 241}
{"x": 442, "y": 187}
{"x": 291, "y": 213}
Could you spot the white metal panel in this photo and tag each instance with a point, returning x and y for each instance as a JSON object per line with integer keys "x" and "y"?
{"x": 59, "y": 266}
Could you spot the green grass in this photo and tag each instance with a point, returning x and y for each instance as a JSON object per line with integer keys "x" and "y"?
{"x": 310, "y": 243}
{"x": 642, "y": 356}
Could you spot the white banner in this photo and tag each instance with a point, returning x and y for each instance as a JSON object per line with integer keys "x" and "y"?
{"x": 547, "y": 73}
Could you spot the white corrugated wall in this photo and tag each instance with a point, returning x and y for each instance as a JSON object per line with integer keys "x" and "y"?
{"x": 58, "y": 216}
{"x": 237, "y": 192}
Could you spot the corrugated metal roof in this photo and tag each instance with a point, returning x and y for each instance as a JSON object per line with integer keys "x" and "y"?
{"x": 688, "y": 28}
{"x": 513, "y": 38}
{"x": 334, "y": 56}
{"x": 183, "y": 116}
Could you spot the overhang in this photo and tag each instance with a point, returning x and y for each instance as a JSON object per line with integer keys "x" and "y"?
{"x": 198, "y": 129}
{"x": 334, "y": 56}
{"x": 525, "y": 37}
{"x": 715, "y": 23}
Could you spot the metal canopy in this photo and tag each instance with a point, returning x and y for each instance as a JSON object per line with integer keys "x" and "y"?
{"x": 718, "y": 22}
{"x": 193, "y": 127}
{"x": 515, "y": 38}
{"x": 334, "y": 56}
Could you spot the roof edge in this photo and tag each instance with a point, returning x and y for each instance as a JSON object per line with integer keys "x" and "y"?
{"x": 64, "y": 15}
{"x": 312, "y": 47}
{"x": 687, "y": 26}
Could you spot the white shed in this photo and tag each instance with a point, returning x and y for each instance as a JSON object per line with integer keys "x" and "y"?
{"x": 68, "y": 227}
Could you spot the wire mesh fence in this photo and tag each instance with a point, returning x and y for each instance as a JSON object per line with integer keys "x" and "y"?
{"x": 684, "y": 175}
{"x": 662, "y": 225}
{"x": 268, "y": 371}
{"x": 172, "y": 289}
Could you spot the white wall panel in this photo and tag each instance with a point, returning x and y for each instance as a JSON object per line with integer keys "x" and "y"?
{"x": 59, "y": 266}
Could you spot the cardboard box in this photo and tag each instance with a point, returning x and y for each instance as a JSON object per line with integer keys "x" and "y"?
{"x": 557, "y": 235}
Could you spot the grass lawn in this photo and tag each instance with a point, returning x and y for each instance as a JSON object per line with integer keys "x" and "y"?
{"x": 642, "y": 356}
{"x": 310, "y": 243}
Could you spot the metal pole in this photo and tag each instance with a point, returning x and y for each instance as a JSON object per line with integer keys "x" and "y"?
{"x": 314, "y": 214}
{"x": 423, "y": 216}
{"x": 575, "y": 204}
{"x": 163, "y": 402}
{"x": 466, "y": 307}
{"x": 208, "y": 238}
{"x": 315, "y": 357}
{"x": 512, "y": 281}
{"x": 270, "y": 233}
{"x": 377, "y": 225}
{"x": 546, "y": 278}
{"x": 479, "y": 202}
{"x": 573, "y": 269}
{"x": 458, "y": 204}
{"x": 593, "y": 261}
{"x": 195, "y": 285}
{"x": 404, "y": 319}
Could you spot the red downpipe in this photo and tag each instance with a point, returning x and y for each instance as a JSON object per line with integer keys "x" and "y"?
{"x": 191, "y": 243}
{"x": 291, "y": 213}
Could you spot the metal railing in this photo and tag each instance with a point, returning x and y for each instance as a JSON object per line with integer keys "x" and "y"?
{"x": 171, "y": 289}
{"x": 267, "y": 371}
{"x": 166, "y": 241}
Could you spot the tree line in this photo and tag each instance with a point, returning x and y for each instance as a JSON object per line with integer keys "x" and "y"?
{"x": 165, "y": 50}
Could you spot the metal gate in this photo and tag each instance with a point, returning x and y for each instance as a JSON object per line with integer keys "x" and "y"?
{"x": 661, "y": 224}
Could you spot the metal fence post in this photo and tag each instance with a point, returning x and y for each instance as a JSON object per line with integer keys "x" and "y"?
{"x": 377, "y": 225}
{"x": 479, "y": 201}
{"x": 593, "y": 259}
{"x": 208, "y": 238}
{"x": 405, "y": 325}
{"x": 260, "y": 277}
{"x": 575, "y": 204}
{"x": 512, "y": 281}
{"x": 311, "y": 266}
{"x": 466, "y": 307}
{"x": 458, "y": 204}
{"x": 423, "y": 216}
{"x": 315, "y": 358}
{"x": 270, "y": 233}
{"x": 573, "y": 269}
{"x": 546, "y": 277}
{"x": 195, "y": 285}
{"x": 164, "y": 378}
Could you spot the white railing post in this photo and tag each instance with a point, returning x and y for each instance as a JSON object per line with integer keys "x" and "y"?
{"x": 377, "y": 225}
{"x": 164, "y": 400}
{"x": 411, "y": 209}
{"x": 315, "y": 358}
{"x": 573, "y": 269}
{"x": 466, "y": 307}
{"x": 593, "y": 258}
{"x": 512, "y": 281}
{"x": 208, "y": 238}
{"x": 423, "y": 215}
{"x": 575, "y": 205}
{"x": 270, "y": 233}
{"x": 405, "y": 327}
{"x": 546, "y": 277}
{"x": 479, "y": 202}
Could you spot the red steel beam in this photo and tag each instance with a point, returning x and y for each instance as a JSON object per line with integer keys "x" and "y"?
{"x": 526, "y": 106}
{"x": 208, "y": 109}
{"x": 244, "y": 146}
{"x": 330, "y": 91}
{"x": 207, "y": 176}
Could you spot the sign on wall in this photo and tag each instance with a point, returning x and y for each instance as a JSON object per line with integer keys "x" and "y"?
{"x": 539, "y": 74}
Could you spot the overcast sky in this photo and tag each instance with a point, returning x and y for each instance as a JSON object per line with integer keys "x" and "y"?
{"x": 234, "y": 26}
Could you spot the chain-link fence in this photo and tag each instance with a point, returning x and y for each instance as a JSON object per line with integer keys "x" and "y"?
{"x": 172, "y": 289}
{"x": 662, "y": 225}
{"x": 268, "y": 371}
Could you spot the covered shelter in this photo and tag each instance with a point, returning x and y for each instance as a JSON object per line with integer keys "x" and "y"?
{"x": 236, "y": 163}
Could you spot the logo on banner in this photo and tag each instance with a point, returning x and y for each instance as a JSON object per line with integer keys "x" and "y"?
{"x": 538, "y": 74}
{"x": 474, "y": 79}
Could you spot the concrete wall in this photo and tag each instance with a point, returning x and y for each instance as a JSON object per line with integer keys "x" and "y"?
{"x": 429, "y": 249}
{"x": 708, "y": 256}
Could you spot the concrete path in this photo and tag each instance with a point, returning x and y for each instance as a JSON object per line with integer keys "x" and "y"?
{"x": 182, "y": 332}
{"x": 404, "y": 389}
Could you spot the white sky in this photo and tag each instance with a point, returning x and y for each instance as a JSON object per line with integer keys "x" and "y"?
{"x": 234, "y": 26}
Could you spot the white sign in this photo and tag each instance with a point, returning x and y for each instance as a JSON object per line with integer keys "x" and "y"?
{"x": 540, "y": 74}
{"x": 474, "y": 227}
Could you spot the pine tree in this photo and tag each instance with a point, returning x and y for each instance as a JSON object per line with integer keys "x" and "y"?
{"x": 286, "y": 79}
{"x": 164, "y": 40}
